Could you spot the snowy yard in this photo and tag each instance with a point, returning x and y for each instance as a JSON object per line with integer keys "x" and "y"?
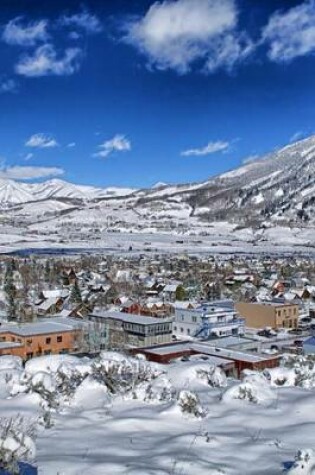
{"x": 185, "y": 418}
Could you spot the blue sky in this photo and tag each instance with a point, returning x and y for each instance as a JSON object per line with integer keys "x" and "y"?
{"x": 133, "y": 93}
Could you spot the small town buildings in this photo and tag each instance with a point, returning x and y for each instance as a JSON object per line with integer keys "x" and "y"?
{"x": 269, "y": 314}
{"x": 127, "y": 330}
{"x": 37, "y": 339}
{"x": 215, "y": 319}
{"x": 231, "y": 361}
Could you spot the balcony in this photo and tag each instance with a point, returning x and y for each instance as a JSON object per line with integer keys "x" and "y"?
{"x": 235, "y": 322}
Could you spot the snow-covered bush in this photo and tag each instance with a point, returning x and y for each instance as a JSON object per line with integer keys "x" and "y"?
{"x": 304, "y": 463}
{"x": 254, "y": 388}
{"x": 122, "y": 375}
{"x": 16, "y": 443}
{"x": 190, "y": 404}
{"x": 159, "y": 390}
{"x": 214, "y": 376}
{"x": 295, "y": 371}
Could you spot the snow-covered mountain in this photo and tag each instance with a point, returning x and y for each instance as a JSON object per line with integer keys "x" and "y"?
{"x": 275, "y": 190}
{"x": 279, "y": 187}
{"x": 13, "y": 192}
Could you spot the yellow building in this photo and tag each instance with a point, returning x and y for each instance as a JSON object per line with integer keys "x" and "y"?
{"x": 269, "y": 314}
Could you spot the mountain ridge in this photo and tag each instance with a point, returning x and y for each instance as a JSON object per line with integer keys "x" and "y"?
{"x": 278, "y": 188}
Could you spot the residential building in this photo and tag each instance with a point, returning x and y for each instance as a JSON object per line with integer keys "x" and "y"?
{"x": 217, "y": 318}
{"x": 269, "y": 314}
{"x": 37, "y": 339}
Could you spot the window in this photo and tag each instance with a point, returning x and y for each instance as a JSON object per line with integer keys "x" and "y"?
{"x": 59, "y": 339}
{"x": 194, "y": 319}
{"x": 48, "y": 341}
{"x": 175, "y": 328}
{"x": 188, "y": 331}
{"x": 182, "y": 330}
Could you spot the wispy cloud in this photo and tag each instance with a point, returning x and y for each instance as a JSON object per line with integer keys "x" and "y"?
{"x": 45, "y": 61}
{"x": 175, "y": 34}
{"x": 83, "y": 20}
{"x": 28, "y": 156}
{"x": 291, "y": 33}
{"x": 8, "y": 85}
{"x": 211, "y": 147}
{"x": 299, "y": 135}
{"x": 119, "y": 143}
{"x": 29, "y": 173}
{"x": 41, "y": 141}
{"x": 71, "y": 144}
{"x": 18, "y": 32}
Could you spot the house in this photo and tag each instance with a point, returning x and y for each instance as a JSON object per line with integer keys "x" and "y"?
{"x": 217, "y": 318}
{"x": 50, "y": 306}
{"x": 212, "y": 290}
{"x": 36, "y": 339}
{"x": 156, "y": 309}
{"x": 127, "y": 330}
{"x": 171, "y": 291}
{"x": 269, "y": 314}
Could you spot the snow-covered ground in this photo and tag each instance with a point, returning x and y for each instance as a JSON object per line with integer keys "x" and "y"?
{"x": 122, "y": 415}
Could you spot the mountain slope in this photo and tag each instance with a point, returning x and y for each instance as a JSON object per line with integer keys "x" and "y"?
{"x": 278, "y": 189}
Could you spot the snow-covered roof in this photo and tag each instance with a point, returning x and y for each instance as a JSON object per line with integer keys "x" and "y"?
{"x": 130, "y": 318}
{"x": 170, "y": 288}
{"x": 47, "y": 304}
{"x": 58, "y": 293}
{"x": 38, "y": 328}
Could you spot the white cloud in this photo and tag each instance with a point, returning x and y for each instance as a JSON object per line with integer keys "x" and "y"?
{"x": 71, "y": 145}
{"x": 85, "y": 20}
{"x": 8, "y": 85}
{"x": 299, "y": 135}
{"x": 291, "y": 33}
{"x": 41, "y": 141}
{"x": 228, "y": 51}
{"x": 119, "y": 143}
{"x": 28, "y": 156}
{"x": 29, "y": 173}
{"x": 27, "y": 34}
{"x": 211, "y": 147}
{"x": 175, "y": 34}
{"x": 45, "y": 61}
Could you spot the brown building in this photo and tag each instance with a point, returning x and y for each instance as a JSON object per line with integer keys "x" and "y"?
{"x": 37, "y": 339}
{"x": 269, "y": 314}
{"x": 233, "y": 362}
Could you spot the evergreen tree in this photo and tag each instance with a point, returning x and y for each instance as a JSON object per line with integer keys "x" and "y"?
{"x": 75, "y": 295}
{"x": 47, "y": 271}
{"x": 10, "y": 291}
{"x": 180, "y": 293}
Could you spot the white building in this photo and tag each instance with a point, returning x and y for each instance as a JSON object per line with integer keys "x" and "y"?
{"x": 217, "y": 319}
